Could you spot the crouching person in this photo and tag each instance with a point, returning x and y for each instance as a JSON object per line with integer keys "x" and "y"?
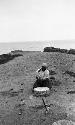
{"x": 42, "y": 77}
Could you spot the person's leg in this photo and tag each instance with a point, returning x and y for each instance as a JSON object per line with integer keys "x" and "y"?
{"x": 38, "y": 83}
{"x": 47, "y": 83}
{"x": 35, "y": 84}
{"x": 44, "y": 83}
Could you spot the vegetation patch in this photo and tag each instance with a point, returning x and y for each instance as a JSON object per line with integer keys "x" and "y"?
{"x": 71, "y": 92}
{"x": 51, "y": 72}
{"x": 52, "y": 49}
{"x": 55, "y": 82}
{"x": 72, "y": 74}
{"x": 11, "y": 93}
{"x": 4, "y": 58}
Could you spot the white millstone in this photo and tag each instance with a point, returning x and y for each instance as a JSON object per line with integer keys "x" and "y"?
{"x": 40, "y": 89}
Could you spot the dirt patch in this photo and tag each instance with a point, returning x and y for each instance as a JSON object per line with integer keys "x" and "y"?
{"x": 11, "y": 93}
{"x": 71, "y": 92}
{"x": 72, "y": 74}
{"x": 33, "y": 116}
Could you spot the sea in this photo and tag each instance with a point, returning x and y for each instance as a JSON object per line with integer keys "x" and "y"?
{"x": 6, "y": 47}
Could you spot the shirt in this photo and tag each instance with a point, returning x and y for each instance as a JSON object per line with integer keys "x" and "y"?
{"x": 42, "y": 74}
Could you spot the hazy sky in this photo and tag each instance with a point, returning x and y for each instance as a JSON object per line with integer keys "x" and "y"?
{"x": 29, "y": 20}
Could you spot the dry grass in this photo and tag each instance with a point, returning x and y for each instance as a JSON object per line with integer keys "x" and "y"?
{"x": 19, "y": 74}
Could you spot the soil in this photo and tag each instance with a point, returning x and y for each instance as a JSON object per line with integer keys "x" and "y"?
{"x": 17, "y": 104}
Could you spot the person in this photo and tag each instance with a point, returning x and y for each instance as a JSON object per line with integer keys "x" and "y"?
{"x": 42, "y": 77}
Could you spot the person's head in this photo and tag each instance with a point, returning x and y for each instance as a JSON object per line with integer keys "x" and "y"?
{"x": 44, "y": 66}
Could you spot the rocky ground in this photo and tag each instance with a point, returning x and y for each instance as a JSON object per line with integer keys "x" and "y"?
{"x": 17, "y": 104}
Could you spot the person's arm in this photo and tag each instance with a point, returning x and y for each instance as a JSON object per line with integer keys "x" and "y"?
{"x": 46, "y": 74}
{"x": 37, "y": 73}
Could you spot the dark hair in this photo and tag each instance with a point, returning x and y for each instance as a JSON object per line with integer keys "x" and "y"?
{"x": 43, "y": 68}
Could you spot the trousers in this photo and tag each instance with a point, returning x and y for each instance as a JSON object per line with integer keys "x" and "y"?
{"x": 42, "y": 83}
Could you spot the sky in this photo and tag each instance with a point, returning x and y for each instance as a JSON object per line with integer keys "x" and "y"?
{"x": 37, "y": 20}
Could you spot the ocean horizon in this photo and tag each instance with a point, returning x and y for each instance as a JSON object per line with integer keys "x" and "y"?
{"x": 25, "y": 46}
{"x": 35, "y": 46}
